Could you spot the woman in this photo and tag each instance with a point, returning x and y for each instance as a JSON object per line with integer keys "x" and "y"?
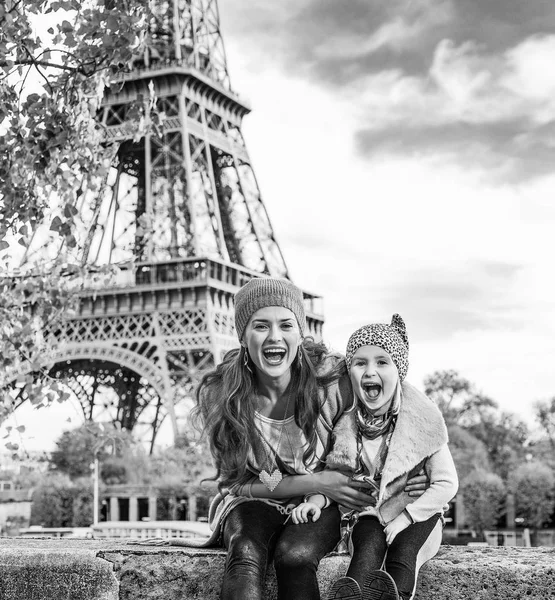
{"x": 268, "y": 410}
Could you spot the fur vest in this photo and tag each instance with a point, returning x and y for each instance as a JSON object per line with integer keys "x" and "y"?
{"x": 420, "y": 433}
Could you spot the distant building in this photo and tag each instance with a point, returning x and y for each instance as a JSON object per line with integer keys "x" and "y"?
{"x": 16, "y": 491}
{"x": 126, "y": 502}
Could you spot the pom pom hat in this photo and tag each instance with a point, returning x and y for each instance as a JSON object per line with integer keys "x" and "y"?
{"x": 391, "y": 338}
{"x": 268, "y": 291}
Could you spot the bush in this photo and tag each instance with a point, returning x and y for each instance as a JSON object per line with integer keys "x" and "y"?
{"x": 483, "y": 495}
{"x": 533, "y": 484}
{"x": 62, "y": 503}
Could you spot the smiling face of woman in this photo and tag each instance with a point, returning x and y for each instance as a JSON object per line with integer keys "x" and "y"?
{"x": 272, "y": 337}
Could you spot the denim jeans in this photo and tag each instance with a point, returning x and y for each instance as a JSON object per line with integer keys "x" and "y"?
{"x": 254, "y": 533}
{"x": 370, "y": 550}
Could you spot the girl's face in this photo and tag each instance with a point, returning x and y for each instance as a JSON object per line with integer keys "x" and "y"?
{"x": 272, "y": 337}
{"x": 374, "y": 378}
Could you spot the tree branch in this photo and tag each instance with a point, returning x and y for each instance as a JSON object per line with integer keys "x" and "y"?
{"x": 42, "y": 63}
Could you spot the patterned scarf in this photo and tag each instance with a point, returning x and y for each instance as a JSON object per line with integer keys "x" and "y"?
{"x": 372, "y": 428}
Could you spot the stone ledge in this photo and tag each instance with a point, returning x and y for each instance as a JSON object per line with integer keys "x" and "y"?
{"x": 45, "y": 569}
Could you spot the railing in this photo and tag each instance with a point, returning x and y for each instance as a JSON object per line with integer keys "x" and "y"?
{"x": 520, "y": 537}
{"x": 176, "y": 270}
{"x": 56, "y": 532}
{"x": 186, "y": 271}
{"x": 151, "y": 529}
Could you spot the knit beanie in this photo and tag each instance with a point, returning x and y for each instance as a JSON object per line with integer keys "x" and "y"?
{"x": 391, "y": 338}
{"x": 268, "y": 291}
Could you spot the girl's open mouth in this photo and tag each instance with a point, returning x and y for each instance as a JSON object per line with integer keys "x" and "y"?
{"x": 372, "y": 390}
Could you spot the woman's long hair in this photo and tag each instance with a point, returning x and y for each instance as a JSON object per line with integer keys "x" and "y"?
{"x": 225, "y": 408}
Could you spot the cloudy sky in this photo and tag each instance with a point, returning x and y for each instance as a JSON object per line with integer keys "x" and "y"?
{"x": 406, "y": 154}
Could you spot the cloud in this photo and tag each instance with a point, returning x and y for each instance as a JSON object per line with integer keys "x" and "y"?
{"x": 468, "y": 296}
{"x": 340, "y": 40}
{"x": 478, "y": 110}
{"x": 463, "y": 81}
{"x": 509, "y": 151}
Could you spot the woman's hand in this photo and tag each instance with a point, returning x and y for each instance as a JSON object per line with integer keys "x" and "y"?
{"x": 418, "y": 484}
{"x": 340, "y": 487}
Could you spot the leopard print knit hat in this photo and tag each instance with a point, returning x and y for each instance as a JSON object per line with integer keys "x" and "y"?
{"x": 392, "y": 338}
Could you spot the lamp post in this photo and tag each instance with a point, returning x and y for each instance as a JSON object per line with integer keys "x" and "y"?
{"x": 95, "y": 489}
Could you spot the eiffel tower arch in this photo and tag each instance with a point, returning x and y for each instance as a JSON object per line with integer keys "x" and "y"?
{"x": 182, "y": 215}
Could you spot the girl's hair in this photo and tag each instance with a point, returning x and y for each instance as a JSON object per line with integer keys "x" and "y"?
{"x": 225, "y": 407}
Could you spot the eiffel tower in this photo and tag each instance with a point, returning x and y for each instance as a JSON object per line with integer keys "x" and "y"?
{"x": 182, "y": 209}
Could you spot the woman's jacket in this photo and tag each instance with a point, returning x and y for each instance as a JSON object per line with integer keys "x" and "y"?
{"x": 335, "y": 399}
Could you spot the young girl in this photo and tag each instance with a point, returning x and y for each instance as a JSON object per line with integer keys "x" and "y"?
{"x": 393, "y": 431}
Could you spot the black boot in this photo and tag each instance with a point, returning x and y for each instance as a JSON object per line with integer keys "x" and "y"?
{"x": 379, "y": 585}
{"x": 345, "y": 588}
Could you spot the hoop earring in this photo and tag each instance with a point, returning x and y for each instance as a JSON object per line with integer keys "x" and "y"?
{"x": 300, "y": 357}
{"x": 246, "y": 362}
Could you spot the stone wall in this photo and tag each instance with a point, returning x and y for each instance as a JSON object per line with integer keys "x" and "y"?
{"x": 43, "y": 569}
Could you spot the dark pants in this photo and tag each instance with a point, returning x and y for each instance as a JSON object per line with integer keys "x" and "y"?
{"x": 370, "y": 549}
{"x": 255, "y": 532}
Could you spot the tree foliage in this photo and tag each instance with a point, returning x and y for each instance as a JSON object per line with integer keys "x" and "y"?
{"x": 545, "y": 416}
{"x": 28, "y": 308}
{"x": 52, "y": 503}
{"x": 533, "y": 485}
{"x": 504, "y": 437}
{"x": 456, "y": 397}
{"x": 76, "y": 449}
{"x": 59, "y": 502}
{"x": 123, "y": 461}
{"x": 57, "y": 60}
{"x": 184, "y": 468}
{"x": 500, "y": 433}
{"x": 484, "y": 497}
{"x": 468, "y": 452}
{"x": 51, "y": 89}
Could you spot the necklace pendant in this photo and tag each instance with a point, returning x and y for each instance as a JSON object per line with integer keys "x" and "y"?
{"x": 271, "y": 481}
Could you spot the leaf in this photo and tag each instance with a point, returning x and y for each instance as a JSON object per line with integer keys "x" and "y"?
{"x": 70, "y": 211}
{"x": 56, "y": 224}
{"x": 66, "y": 27}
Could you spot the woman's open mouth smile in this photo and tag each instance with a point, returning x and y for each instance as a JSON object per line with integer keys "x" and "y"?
{"x": 274, "y": 356}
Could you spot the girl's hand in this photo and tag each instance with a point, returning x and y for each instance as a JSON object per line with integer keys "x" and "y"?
{"x": 340, "y": 487}
{"x": 394, "y": 528}
{"x": 418, "y": 484}
{"x": 302, "y": 512}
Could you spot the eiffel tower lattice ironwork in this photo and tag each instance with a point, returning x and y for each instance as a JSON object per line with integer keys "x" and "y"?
{"x": 142, "y": 341}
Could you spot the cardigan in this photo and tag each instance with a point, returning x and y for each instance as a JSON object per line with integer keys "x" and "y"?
{"x": 335, "y": 400}
{"x": 418, "y": 440}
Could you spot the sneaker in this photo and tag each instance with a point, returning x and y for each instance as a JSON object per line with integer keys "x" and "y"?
{"x": 379, "y": 585}
{"x": 346, "y": 588}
